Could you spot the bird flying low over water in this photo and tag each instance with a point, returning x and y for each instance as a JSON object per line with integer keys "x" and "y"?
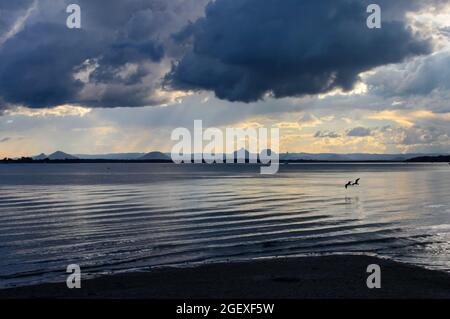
{"x": 350, "y": 183}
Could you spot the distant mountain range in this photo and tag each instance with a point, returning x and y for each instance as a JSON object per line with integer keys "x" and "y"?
{"x": 112, "y": 156}
{"x": 59, "y": 155}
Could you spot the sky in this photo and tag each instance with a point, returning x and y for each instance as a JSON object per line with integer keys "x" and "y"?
{"x": 138, "y": 69}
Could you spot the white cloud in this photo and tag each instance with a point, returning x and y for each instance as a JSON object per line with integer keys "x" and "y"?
{"x": 59, "y": 111}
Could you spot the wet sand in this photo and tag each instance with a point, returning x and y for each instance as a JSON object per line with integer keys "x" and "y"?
{"x": 284, "y": 278}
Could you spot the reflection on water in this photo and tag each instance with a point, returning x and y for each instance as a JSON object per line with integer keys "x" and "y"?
{"x": 120, "y": 217}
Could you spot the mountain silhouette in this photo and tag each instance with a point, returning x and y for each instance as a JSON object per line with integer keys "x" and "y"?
{"x": 58, "y": 155}
{"x": 154, "y": 156}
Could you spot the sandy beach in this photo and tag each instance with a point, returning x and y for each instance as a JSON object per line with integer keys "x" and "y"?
{"x": 290, "y": 278}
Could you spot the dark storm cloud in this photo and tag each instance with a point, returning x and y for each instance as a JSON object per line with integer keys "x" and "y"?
{"x": 359, "y": 132}
{"x": 14, "y": 5}
{"x": 241, "y": 50}
{"x": 40, "y": 61}
{"x": 9, "y": 10}
{"x": 37, "y": 65}
{"x": 244, "y": 49}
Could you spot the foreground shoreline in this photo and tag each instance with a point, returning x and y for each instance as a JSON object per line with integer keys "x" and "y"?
{"x": 284, "y": 278}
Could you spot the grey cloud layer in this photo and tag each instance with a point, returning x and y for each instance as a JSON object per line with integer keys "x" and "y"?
{"x": 326, "y": 134}
{"x": 359, "y": 132}
{"x": 419, "y": 77}
{"x": 291, "y": 49}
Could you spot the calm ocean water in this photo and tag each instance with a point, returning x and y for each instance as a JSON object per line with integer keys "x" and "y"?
{"x": 123, "y": 217}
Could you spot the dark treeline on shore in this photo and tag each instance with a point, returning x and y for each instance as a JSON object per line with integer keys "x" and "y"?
{"x": 29, "y": 160}
{"x": 431, "y": 159}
